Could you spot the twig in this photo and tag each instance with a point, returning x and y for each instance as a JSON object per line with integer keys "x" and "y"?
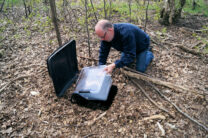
{"x": 161, "y": 128}
{"x": 177, "y": 108}
{"x": 29, "y": 66}
{"x": 95, "y": 119}
{"x": 20, "y": 77}
{"x": 138, "y": 75}
{"x": 203, "y": 30}
{"x": 155, "y": 117}
{"x": 88, "y": 58}
{"x": 152, "y": 101}
{"x": 88, "y": 135}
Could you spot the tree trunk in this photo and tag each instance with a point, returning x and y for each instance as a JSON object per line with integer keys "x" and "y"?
{"x": 146, "y": 18}
{"x": 105, "y": 11}
{"x": 26, "y": 14}
{"x": 93, "y": 10}
{"x": 169, "y": 13}
{"x": 110, "y": 9}
{"x": 206, "y": 2}
{"x": 129, "y": 4}
{"x": 28, "y": 8}
{"x": 54, "y": 19}
{"x": 86, "y": 22}
{"x": 2, "y": 5}
{"x": 193, "y": 4}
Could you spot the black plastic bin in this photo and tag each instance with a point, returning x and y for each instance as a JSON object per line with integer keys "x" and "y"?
{"x": 92, "y": 82}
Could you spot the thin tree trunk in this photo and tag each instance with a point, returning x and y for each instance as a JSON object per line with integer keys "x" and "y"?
{"x": 26, "y": 15}
{"x": 194, "y": 4}
{"x": 94, "y": 11}
{"x": 137, "y": 4}
{"x": 146, "y": 18}
{"x": 2, "y": 5}
{"x": 105, "y": 12}
{"x": 144, "y": 2}
{"x": 54, "y": 19}
{"x": 206, "y": 2}
{"x": 172, "y": 11}
{"x": 12, "y": 6}
{"x": 129, "y": 4}
{"x": 86, "y": 21}
{"x": 110, "y": 10}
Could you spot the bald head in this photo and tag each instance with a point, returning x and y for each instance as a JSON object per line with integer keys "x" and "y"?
{"x": 103, "y": 25}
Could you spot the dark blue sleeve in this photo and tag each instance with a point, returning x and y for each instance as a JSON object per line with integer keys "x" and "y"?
{"x": 103, "y": 53}
{"x": 129, "y": 51}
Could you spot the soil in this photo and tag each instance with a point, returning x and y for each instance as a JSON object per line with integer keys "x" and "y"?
{"x": 30, "y": 108}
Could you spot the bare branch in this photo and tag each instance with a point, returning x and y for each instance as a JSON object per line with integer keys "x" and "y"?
{"x": 138, "y": 75}
{"x": 150, "y": 99}
{"x": 177, "y": 108}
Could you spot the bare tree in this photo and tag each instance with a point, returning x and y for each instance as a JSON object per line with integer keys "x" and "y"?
{"x": 2, "y": 5}
{"x": 146, "y": 18}
{"x": 194, "y": 4}
{"x": 129, "y": 4}
{"x": 86, "y": 22}
{"x": 28, "y": 8}
{"x": 110, "y": 9}
{"x": 206, "y": 2}
{"x": 54, "y": 19}
{"x": 94, "y": 10}
{"x": 169, "y": 13}
{"x": 105, "y": 11}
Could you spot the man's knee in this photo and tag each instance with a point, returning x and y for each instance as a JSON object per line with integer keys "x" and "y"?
{"x": 142, "y": 66}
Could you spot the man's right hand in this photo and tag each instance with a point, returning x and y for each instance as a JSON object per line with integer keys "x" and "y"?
{"x": 109, "y": 68}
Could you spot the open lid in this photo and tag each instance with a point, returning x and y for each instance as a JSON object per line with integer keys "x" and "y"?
{"x": 62, "y": 67}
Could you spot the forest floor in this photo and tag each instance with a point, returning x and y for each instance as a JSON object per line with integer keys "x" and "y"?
{"x": 29, "y": 106}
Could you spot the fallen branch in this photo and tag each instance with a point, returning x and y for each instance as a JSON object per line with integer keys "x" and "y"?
{"x": 199, "y": 31}
{"x": 20, "y": 77}
{"x": 150, "y": 99}
{"x": 177, "y": 108}
{"x": 138, "y": 75}
{"x": 188, "y": 50}
{"x": 89, "y": 135}
{"x": 161, "y": 129}
{"x": 88, "y": 58}
{"x": 95, "y": 119}
{"x": 155, "y": 117}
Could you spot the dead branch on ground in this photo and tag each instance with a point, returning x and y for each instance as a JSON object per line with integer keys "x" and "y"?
{"x": 89, "y": 58}
{"x": 177, "y": 108}
{"x": 188, "y": 50}
{"x": 20, "y": 77}
{"x": 95, "y": 119}
{"x": 150, "y": 99}
{"x": 139, "y": 75}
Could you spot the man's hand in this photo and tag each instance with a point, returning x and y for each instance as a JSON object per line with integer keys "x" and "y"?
{"x": 109, "y": 68}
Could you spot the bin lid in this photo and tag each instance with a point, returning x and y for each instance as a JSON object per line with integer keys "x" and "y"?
{"x": 62, "y": 67}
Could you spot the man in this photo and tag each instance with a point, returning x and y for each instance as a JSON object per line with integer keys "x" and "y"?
{"x": 127, "y": 38}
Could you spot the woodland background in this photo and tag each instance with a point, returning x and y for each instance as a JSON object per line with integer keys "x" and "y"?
{"x": 170, "y": 100}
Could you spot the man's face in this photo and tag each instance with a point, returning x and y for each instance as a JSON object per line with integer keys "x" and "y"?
{"x": 104, "y": 35}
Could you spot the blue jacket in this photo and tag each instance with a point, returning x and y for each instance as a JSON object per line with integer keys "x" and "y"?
{"x": 129, "y": 39}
